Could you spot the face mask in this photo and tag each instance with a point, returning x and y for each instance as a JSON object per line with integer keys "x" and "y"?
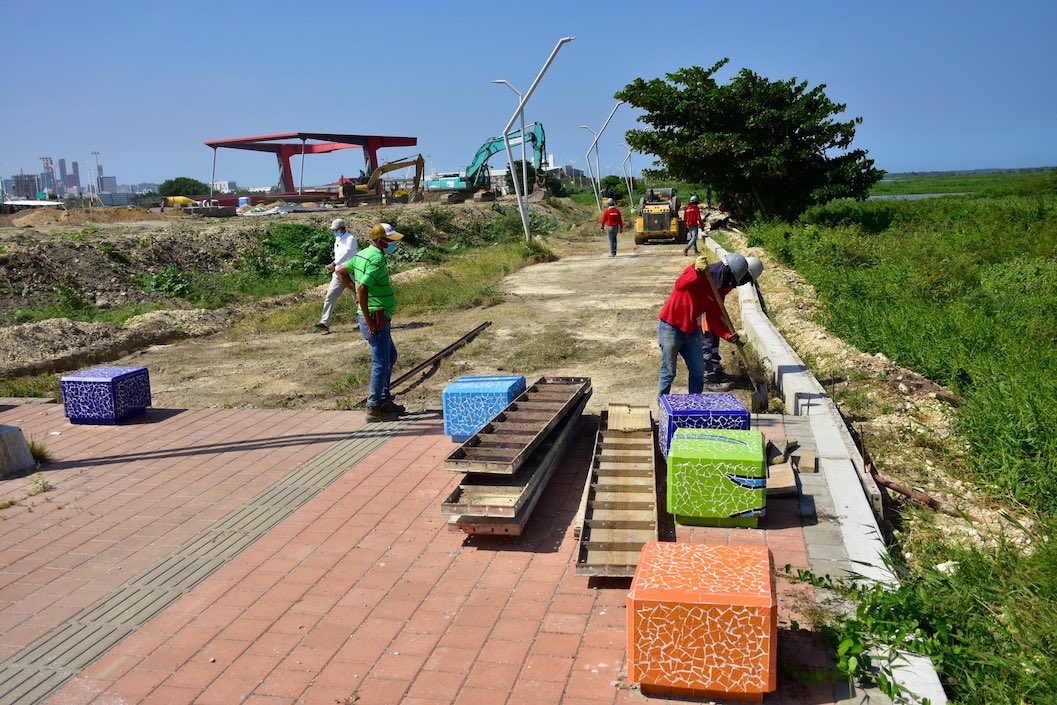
{"x": 390, "y": 248}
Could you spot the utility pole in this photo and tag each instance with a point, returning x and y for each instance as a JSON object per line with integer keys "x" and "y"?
{"x": 524, "y": 138}
{"x": 523, "y": 204}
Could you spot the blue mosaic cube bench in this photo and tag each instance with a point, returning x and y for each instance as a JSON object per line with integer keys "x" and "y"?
{"x": 105, "y": 395}
{"x": 699, "y": 411}
{"x": 471, "y": 402}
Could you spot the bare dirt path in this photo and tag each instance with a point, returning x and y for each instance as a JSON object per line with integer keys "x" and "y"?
{"x": 586, "y": 314}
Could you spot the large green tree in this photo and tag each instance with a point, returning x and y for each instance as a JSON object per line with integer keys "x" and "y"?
{"x": 770, "y": 148}
{"x": 183, "y": 186}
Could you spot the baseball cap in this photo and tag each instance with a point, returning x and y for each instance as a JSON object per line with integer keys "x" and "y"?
{"x": 385, "y": 230}
{"x": 338, "y": 224}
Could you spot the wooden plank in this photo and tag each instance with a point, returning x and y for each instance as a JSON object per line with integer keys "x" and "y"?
{"x": 619, "y": 504}
{"x": 470, "y": 458}
{"x": 805, "y": 462}
{"x": 780, "y": 481}
{"x": 629, "y": 418}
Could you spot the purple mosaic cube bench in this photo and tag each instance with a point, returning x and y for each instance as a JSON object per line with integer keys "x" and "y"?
{"x": 105, "y": 395}
{"x": 699, "y": 411}
{"x": 471, "y": 402}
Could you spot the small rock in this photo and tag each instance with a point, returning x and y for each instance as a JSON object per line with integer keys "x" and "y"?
{"x": 903, "y": 388}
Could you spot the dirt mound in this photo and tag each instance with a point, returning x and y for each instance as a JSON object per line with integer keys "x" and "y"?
{"x": 61, "y": 344}
{"x": 85, "y": 216}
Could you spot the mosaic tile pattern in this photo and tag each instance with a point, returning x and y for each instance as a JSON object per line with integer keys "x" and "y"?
{"x": 699, "y": 411}
{"x": 107, "y": 394}
{"x": 704, "y": 618}
{"x": 471, "y": 402}
{"x": 717, "y": 477}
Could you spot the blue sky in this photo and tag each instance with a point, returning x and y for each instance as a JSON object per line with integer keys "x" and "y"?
{"x": 940, "y": 85}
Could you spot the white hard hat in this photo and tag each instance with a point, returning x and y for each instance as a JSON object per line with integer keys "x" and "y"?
{"x": 693, "y": 199}
{"x": 755, "y": 267}
{"x": 738, "y": 266}
{"x": 611, "y": 202}
{"x": 338, "y": 224}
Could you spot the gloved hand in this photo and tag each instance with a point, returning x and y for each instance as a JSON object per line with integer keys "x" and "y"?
{"x": 702, "y": 263}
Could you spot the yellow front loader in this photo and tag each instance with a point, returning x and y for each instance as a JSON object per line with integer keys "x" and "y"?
{"x": 658, "y": 217}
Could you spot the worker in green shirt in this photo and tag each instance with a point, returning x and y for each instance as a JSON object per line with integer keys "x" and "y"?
{"x": 377, "y": 302}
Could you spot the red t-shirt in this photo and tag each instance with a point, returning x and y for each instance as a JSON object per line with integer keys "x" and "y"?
{"x": 611, "y": 216}
{"x": 691, "y": 297}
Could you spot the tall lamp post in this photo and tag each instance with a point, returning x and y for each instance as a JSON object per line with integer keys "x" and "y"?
{"x": 595, "y": 146}
{"x": 629, "y": 178}
{"x": 524, "y": 165}
{"x": 523, "y": 205}
{"x": 591, "y": 172}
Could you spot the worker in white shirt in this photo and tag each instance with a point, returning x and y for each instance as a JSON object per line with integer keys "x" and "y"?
{"x": 344, "y": 250}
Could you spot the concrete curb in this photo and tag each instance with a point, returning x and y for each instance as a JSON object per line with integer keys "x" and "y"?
{"x": 855, "y": 495}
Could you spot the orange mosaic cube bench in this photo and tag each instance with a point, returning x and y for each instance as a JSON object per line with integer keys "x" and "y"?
{"x": 703, "y": 621}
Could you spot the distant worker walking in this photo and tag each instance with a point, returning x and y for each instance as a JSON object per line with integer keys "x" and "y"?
{"x": 679, "y": 330}
{"x": 344, "y": 250}
{"x": 731, "y": 271}
{"x": 612, "y": 223}
{"x": 377, "y": 302}
{"x": 692, "y": 220}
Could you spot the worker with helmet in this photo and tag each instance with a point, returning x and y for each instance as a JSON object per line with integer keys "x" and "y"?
{"x": 344, "y": 250}
{"x": 732, "y": 270}
{"x": 692, "y": 220}
{"x": 679, "y": 332}
{"x": 612, "y": 223}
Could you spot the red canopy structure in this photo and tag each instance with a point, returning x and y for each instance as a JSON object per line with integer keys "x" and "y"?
{"x": 287, "y": 144}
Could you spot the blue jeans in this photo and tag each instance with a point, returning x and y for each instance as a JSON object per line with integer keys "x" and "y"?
{"x": 383, "y": 358}
{"x": 611, "y": 231}
{"x": 675, "y": 343}
{"x": 691, "y": 240}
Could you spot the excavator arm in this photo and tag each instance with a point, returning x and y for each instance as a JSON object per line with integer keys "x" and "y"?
{"x": 477, "y": 174}
{"x": 417, "y": 161}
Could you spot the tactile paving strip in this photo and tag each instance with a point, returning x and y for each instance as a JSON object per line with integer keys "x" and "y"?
{"x": 35, "y": 672}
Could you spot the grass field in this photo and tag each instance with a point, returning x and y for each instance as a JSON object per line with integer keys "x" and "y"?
{"x": 982, "y": 183}
{"x": 964, "y": 291}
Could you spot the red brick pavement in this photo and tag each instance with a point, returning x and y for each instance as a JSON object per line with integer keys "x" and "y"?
{"x": 362, "y": 595}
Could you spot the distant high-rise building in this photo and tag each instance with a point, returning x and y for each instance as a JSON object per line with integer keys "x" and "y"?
{"x": 62, "y": 171}
{"x": 107, "y": 184}
{"x": 75, "y": 177}
{"x": 24, "y": 186}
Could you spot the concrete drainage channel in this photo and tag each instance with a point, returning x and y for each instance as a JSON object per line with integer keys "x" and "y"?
{"x": 855, "y": 497}
{"x": 38, "y": 670}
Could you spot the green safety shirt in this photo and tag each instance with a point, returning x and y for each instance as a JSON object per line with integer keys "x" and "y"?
{"x": 371, "y": 270}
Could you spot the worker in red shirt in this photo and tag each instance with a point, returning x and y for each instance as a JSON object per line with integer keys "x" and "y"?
{"x": 692, "y": 220}
{"x": 679, "y": 331}
{"x": 612, "y": 223}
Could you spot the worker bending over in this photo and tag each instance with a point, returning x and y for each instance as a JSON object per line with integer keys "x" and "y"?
{"x": 679, "y": 330}
{"x": 731, "y": 271}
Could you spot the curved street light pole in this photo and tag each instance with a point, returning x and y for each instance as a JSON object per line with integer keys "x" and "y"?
{"x": 629, "y": 178}
{"x": 590, "y": 171}
{"x": 595, "y": 145}
{"x": 524, "y": 166}
{"x": 523, "y": 205}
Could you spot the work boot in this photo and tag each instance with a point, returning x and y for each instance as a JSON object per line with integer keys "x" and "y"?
{"x": 392, "y": 407}
{"x": 717, "y": 386}
{"x": 719, "y": 377}
{"x": 322, "y": 328}
{"x": 380, "y": 413}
